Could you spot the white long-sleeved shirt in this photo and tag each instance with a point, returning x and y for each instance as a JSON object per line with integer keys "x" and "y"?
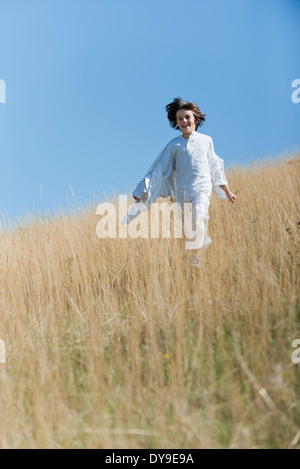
{"x": 190, "y": 169}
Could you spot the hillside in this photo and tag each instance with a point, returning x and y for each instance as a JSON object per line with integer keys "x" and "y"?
{"x": 121, "y": 343}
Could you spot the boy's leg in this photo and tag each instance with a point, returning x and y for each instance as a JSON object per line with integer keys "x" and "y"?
{"x": 200, "y": 218}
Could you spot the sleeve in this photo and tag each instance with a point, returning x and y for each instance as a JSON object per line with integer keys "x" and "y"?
{"x": 163, "y": 162}
{"x": 168, "y": 161}
{"x": 141, "y": 189}
{"x": 217, "y": 172}
{"x": 216, "y": 167}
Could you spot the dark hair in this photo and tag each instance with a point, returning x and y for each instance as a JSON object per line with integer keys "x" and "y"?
{"x": 178, "y": 104}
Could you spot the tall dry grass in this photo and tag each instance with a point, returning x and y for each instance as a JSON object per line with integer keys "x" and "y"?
{"x": 121, "y": 343}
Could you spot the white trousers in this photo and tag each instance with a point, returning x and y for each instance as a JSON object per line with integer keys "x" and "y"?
{"x": 195, "y": 223}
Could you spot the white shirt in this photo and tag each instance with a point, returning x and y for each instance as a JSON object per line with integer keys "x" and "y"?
{"x": 190, "y": 168}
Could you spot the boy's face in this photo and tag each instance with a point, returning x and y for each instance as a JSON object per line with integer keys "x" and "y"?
{"x": 186, "y": 121}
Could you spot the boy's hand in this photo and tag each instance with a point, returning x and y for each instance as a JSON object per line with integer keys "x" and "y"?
{"x": 231, "y": 196}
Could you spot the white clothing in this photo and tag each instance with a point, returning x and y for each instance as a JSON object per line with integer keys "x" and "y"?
{"x": 193, "y": 216}
{"x": 187, "y": 170}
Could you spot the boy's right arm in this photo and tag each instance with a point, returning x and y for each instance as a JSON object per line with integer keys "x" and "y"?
{"x": 167, "y": 167}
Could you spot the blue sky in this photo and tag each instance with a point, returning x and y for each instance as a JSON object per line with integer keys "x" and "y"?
{"x": 87, "y": 82}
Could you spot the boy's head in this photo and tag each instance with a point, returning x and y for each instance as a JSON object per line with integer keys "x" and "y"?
{"x": 177, "y": 105}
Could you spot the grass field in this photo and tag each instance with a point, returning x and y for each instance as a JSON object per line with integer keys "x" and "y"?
{"x": 121, "y": 343}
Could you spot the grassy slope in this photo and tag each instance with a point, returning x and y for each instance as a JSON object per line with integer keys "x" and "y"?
{"x": 122, "y": 344}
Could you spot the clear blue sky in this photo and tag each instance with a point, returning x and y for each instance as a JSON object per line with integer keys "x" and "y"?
{"x": 87, "y": 82}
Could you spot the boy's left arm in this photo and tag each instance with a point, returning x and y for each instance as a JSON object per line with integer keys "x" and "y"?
{"x": 216, "y": 166}
{"x": 230, "y": 195}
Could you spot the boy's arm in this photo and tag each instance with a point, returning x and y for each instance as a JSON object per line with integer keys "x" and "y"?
{"x": 230, "y": 195}
{"x": 217, "y": 172}
{"x": 166, "y": 159}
